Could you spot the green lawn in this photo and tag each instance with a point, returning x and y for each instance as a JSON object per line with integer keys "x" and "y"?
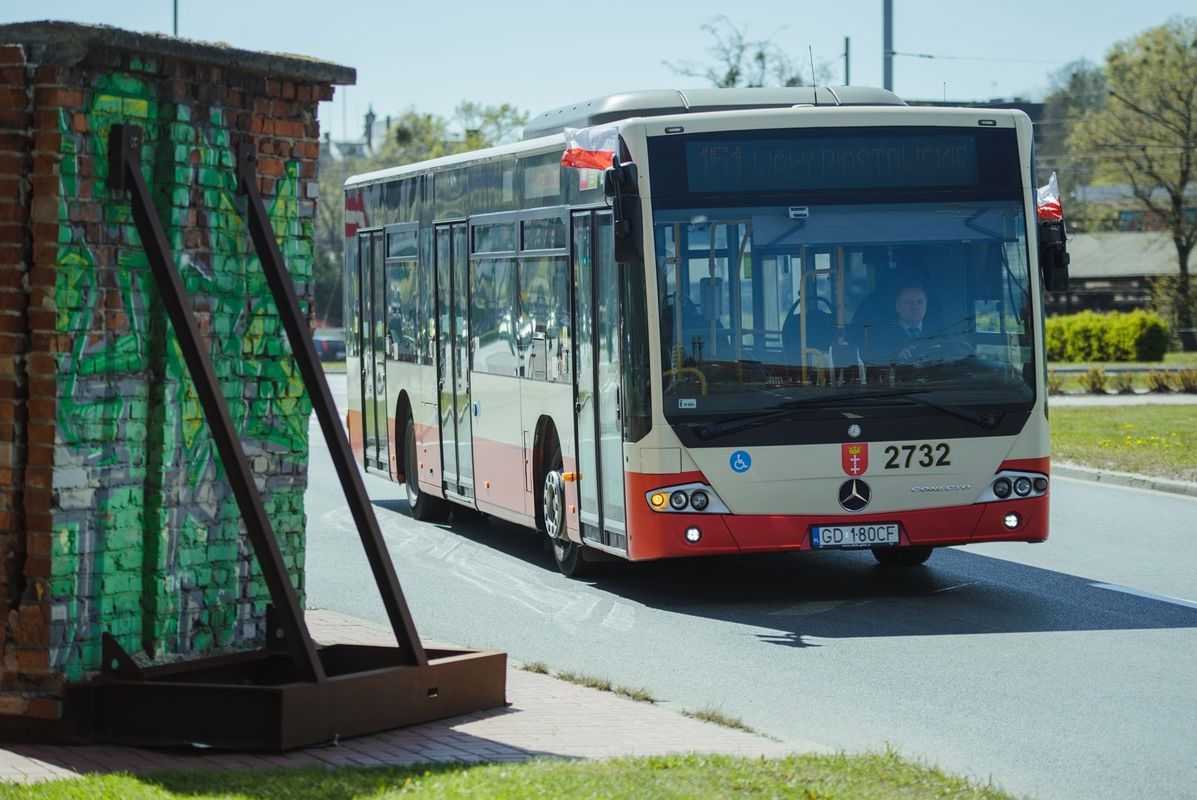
{"x": 869, "y": 777}
{"x": 1158, "y": 440}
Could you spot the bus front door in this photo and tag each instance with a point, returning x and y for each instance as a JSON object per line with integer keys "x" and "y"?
{"x": 372, "y": 347}
{"x": 453, "y": 365}
{"x": 598, "y": 382}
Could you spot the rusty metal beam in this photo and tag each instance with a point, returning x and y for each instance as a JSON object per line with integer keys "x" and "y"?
{"x": 124, "y": 150}
{"x": 304, "y": 352}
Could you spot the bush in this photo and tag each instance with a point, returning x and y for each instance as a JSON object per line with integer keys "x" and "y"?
{"x": 1124, "y": 382}
{"x": 1137, "y": 336}
{"x": 1187, "y": 378}
{"x": 1094, "y": 380}
{"x": 1055, "y": 382}
{"x": 1159, "y": 381}
{"x": 1089, "y": 336}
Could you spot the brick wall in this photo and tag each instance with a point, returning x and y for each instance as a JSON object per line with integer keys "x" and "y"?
{"x": 116, "y": 513}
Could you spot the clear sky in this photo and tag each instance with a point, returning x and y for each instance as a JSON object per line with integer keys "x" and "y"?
{"x": 537, "y": 55}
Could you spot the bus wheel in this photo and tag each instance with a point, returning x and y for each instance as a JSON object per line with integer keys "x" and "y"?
{"x": 567, "y": 553}
{"x": 901, "y": 556}
{"x": 424, "y": 506}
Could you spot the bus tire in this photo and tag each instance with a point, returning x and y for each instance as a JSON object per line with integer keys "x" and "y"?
{"x": 901, "y": 556}
{"x": 424, "y": 506}
{"x": 567, "y": 553}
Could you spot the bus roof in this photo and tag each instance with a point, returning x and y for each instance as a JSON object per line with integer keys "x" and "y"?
{"x": 657, "y": 102}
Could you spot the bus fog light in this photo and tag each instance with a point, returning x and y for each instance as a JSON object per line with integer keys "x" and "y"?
{"x": 1022, "y": 487}
{"x": 1041, "y": 485}
{"x": 693, "y": 535}
{"x": 1012, "y": 521}
{"x": 699, "y": 500}
{"x": 1001, "y": 488}
{"x": 678, "y": 500}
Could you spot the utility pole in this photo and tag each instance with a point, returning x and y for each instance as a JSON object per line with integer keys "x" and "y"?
{"x": 847, "y": 61}
{"x": 176, "y": 19}
{"x": 888, "y": 44}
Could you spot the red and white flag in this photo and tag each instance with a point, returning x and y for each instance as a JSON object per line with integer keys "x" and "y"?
{"x": 1050, "y": 208}
{"x": 590, "y": 148}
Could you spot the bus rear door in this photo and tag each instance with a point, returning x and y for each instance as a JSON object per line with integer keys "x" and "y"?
{"x": 371, "y": 346}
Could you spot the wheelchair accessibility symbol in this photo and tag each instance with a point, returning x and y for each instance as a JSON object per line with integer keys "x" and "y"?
{"x": 740, "y": 461}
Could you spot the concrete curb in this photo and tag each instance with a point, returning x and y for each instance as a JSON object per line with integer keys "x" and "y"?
{"x": 1066, "y": 470}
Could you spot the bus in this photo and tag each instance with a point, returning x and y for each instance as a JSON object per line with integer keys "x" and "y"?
{"x": 695, "y": 342}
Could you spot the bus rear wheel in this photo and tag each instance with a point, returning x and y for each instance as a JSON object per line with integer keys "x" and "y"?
{"x": 901, "y": 556}
{"x": 424, "y": 506}
{"x": 567, "y": 553}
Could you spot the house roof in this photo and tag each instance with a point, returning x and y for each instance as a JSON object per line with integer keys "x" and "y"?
{"x": 1123, "y": 255}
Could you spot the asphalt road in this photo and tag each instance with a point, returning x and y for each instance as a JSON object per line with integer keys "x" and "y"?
{"x": 1060, "y": 670}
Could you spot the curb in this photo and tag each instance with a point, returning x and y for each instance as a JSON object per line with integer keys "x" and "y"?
{"x": 1134, "y": 480}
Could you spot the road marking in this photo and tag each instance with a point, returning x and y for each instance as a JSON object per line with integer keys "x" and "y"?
{"x": 1163, "y": 598}
{"x": 622, "y": 617}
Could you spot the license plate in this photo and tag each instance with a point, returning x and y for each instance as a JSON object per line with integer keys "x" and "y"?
{"x": 843, "y": 536}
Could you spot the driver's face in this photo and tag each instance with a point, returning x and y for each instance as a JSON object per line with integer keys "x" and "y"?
{"x": 911, "y": 306}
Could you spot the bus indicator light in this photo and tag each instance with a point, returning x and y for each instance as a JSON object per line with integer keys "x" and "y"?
{"x": 658, "y": 500}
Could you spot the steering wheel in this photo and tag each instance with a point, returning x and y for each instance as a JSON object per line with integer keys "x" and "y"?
{"x": 923, "y": 351}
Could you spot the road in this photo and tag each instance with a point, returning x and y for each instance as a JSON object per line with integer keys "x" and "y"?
{"x": 1059, "y": 670}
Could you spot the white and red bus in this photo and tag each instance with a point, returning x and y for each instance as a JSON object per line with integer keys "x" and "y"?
{"x": 706, "y": 348}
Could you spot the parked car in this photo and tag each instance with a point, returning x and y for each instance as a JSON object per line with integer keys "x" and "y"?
{"x": 330, "y": 344}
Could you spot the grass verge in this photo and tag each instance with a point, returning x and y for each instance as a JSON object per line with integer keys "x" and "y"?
{"x": 719, "y": 718}
{"x": 604, "y": 685}
{"x": 1159, "y": 440}
{"x": 880, "y": 776}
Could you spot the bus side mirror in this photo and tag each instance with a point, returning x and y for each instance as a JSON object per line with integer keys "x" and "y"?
{"x": 621, "y": 184}
{"x": 1053, "y": 255}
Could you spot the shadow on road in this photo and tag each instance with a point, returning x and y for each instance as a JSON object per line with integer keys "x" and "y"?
{"x": 846, "y": 594}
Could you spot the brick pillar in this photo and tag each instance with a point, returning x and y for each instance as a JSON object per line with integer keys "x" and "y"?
{"x": 117, "y": 515}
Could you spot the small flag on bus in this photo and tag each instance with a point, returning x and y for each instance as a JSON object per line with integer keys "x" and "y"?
{"x": 590, "y": 148}
{"x": 1050, "y": 209}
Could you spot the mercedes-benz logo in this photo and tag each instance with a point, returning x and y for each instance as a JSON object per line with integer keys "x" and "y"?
{"x": 854, "y": 495}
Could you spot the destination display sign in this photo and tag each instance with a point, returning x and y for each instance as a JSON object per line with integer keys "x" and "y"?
{"x": 763, "y": 165}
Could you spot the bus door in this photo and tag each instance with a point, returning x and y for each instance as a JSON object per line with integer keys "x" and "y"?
{"x": 453, "y": 358}
{"x": 598, "y": 381}
{"x": 372, "y": 347}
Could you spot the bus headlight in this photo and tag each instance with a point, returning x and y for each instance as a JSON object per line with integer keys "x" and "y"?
{"x": 699, "y": 500}
{"x": 686, "y": 498}
{"x": 1001, "y": 488}
{"x": 678, "y": 500}
{"x": 1022, "y": 486}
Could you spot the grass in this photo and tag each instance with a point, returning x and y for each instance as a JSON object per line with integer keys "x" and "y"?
{"x": 1170, "y": 360}
{"x": 1159, "y": 440}
{"x": 884, "y": 776}
{"x": 604, "y": 685}
{"x": 717, "y": 717}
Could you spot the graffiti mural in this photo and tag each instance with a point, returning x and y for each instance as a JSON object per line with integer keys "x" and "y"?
{"x": 148, "y": 543}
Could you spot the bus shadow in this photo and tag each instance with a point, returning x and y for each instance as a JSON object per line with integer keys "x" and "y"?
{"x": 797, "y": 597}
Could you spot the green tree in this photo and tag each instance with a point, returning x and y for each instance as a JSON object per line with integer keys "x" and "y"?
{"x": 1075, "y": 89}
{"x": 1145, "y": 135}
{"x": 740, "y": 61}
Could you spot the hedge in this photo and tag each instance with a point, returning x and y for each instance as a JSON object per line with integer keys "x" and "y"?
{"x": 1114, "y": 336}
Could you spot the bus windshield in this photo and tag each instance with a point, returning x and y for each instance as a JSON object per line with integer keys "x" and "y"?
{"x": 767, "y": 305}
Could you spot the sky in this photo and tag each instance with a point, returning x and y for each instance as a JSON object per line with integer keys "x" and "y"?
{"x": 430, "y": 56}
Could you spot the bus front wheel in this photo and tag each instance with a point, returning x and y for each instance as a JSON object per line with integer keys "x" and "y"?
{"x": 567, "y": 553}
{"x": 424, "y": 506}
{"x": 901, "y": 556}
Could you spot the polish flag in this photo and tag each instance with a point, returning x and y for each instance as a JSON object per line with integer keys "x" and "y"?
{"x": 590, "y": 148}
{"x": 1050, "y": 208}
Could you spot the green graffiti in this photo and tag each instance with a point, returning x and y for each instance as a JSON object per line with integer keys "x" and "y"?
{"x": 148, "y": 541}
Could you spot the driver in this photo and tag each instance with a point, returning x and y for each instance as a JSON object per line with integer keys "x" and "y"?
{"x": 897, "y": 339}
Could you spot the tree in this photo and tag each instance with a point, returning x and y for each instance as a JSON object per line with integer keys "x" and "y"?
{"x": 1145, "y": 135}
{"x": 1075, "y": 89}
{"x": 740, "y": 61}
{"x": 412, "y": 137}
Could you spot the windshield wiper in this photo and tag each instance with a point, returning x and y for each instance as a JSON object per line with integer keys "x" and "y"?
{"x": 983, "y": 420}
{"x": 713, "y": 430}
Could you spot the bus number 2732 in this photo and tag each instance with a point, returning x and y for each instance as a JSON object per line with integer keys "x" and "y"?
{"x": 918, "y": 455}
